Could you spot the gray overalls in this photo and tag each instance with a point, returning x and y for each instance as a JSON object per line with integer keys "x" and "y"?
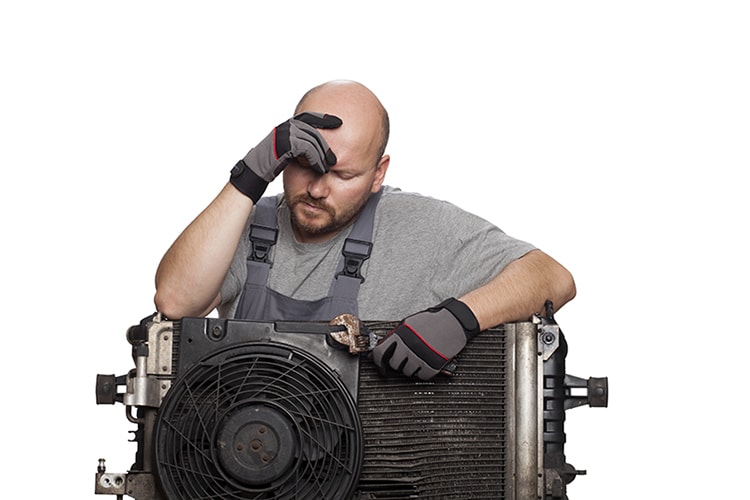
{"x": 260, "y": 303}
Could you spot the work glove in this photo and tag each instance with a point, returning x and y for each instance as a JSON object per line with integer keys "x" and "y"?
{"x": 296, "y": 137}
{"x": 423, "y": 343}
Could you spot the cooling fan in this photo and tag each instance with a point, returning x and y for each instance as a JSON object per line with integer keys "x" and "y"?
{"x": 258, "y": 421}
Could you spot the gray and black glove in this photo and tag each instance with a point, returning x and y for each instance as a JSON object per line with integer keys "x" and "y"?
{"x": 296, "y": 137}
{"x": 423, "y": 343}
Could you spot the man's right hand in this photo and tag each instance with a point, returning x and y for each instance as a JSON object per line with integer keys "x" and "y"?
{"x": 295, "y": 138}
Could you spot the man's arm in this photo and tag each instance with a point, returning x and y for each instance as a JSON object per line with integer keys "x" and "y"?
{"x": 521, "y": 290}
{"x": 423, "y": 343}
{"x": 190, "y": 275}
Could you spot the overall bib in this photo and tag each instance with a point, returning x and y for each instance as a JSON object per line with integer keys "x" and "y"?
{"x": 260, "y": 303}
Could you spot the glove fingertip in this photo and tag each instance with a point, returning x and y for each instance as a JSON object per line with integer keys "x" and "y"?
{"x": 382, "y": 358}
{"x": 330, "y": 159}
{"x": 382, "y": 352}
{"x": 401, "y": 366}
{"x": 281, "y": 166}
{"x": 332, "y": 121}
{"x": 388, "y": 354}
{"x": 319, "y": 120}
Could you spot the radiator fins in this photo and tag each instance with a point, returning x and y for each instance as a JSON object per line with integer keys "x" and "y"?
{"x": 440, "y": 439}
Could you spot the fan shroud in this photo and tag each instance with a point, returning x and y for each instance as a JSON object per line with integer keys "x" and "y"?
{"x": 258, "y": 420}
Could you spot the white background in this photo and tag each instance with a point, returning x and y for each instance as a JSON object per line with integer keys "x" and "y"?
{"x": 613, "y": 135}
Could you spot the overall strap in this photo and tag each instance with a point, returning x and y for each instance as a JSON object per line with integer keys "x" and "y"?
{"x": 356, "y": 251}
{"x": 263, "y": 235}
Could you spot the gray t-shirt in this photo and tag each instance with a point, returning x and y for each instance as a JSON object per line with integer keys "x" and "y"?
{"x": 424, "y": 251}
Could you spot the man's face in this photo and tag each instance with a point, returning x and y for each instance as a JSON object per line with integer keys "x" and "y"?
{"x": 321, "y": 205}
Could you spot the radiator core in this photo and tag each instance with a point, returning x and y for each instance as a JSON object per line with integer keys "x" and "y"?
{"x": 439, "y": 439}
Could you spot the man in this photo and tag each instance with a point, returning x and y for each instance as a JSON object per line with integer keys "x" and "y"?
{"x": 281, "y": 257}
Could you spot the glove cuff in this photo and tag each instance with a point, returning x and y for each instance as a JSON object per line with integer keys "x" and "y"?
{"x": 463, "y": 314}
{"x": 247, "y": 182}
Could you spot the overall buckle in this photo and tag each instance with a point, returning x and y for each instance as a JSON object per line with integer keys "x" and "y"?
{"x": 262, "y": 239}
{"x": 355, "y": 252}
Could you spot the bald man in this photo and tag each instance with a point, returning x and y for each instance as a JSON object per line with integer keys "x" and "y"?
{"x": 339, "y": 241}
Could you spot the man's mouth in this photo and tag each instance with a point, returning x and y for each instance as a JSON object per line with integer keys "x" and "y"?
{"x": 311, "y": 206}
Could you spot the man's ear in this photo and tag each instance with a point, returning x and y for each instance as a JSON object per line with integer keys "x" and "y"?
{"x": 380, "y": 171}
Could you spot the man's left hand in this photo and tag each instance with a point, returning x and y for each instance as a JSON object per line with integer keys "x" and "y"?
{"x": 423, "y": 343}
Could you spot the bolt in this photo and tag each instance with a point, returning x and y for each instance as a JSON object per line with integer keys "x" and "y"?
{"x": 216, "y": 332}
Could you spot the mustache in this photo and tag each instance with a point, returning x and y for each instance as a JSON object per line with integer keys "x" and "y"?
{"x": 307, "y": 199}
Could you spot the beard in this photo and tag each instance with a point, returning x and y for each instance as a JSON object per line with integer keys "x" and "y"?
{"x": 328, "y": 220}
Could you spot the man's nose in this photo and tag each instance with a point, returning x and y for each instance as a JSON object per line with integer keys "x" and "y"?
{"x": 318, "y": 185}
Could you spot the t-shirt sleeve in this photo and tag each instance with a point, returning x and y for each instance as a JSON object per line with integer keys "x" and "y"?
{"x": 476, "y": 250}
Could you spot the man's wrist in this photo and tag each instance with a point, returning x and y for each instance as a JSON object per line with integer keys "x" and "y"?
{"x": 247, "y": 182}
{"x": 464, "y": 315}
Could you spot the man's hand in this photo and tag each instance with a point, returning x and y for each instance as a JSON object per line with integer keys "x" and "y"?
{"x": 295, "y": 138}
{"x": 422, "y": 344}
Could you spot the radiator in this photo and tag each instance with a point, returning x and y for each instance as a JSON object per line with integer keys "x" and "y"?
{"x": 253, "y": 410}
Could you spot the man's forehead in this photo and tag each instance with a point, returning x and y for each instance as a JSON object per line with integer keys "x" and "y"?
{"x": 360, "y": 112}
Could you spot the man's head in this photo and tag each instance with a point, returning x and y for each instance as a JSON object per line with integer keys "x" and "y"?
{"x": 321, "y": 205}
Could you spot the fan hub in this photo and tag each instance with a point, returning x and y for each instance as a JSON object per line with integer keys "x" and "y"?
{"x": 256, "y": 444}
